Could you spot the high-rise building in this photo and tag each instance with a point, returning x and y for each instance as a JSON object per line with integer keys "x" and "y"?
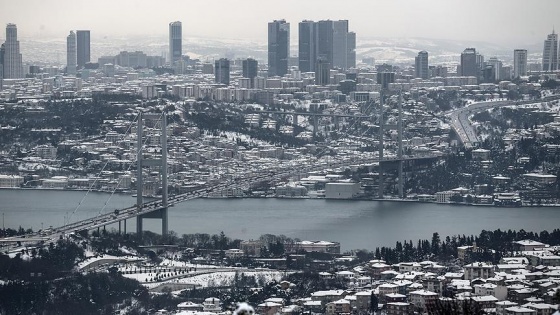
{"x": 278, "y": 47}
{"x": 322, "y": 72}
{"x": 175, "y": 41}
{"x": 422, "y": 68}
{"x": 469, "y": 65}
{"x": 82, "y": 48}
{"x": 550, "y": 52}
{"x": 250, "y": 70}
{"x": 325, "y": 41}
{"x": 71, "y": 54}
{"x": 351, "y": 53}
{"x": 496, "y": 68}
{"x": 2, "y": 51}
{"x": 12, "y": 65}
{"x": 307, "y": 46}
{"x": 221, "y": 71}
{"x": 519, "y": 63}
{"x": 340, "y": 44}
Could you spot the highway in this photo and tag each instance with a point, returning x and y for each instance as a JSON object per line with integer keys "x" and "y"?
{"x": 460, "y": 117}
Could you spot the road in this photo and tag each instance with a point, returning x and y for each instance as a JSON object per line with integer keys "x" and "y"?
{"x": 462, "y": 125}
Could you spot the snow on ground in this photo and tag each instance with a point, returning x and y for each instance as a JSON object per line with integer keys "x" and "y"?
{"x": 175, "y": 263}
{"x": 226, "y": 278}
{"x": 88, "y": 261}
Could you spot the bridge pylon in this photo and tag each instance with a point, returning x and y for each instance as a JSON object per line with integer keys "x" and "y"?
{"x": 152, "y": 162}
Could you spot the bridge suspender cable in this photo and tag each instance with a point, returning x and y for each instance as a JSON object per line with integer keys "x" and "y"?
{"x": 100, "y": 172}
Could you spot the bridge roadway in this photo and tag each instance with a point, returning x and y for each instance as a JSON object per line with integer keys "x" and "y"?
{"x": 463, "y": 127}
{"x": 269, "y": 175}
{"x": 310, "y": 114}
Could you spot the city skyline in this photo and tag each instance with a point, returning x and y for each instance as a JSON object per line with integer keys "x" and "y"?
{"x": 447, "y": 20}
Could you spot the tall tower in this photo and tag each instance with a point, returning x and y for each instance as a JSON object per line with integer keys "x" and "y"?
{"x": 2, "y": 52}
{"x": 71, "y": 54}
{"x": 351, "y": 52}
{"x": 422, "y": 67}
{"x": 307, "y": 46}
{"x": 278, "y": 47}
{"x": 322, "y": 72}
{"x": 175, "y": 41}
{"x": 13, "y": 66}
{"x": 550, "y": 52}
{"x": 340, "y": 44}
{"x": 519, "y": 63}
{"x": 221, "y": 71}
{"x": 82, "y": 48}
{"x": 250, "y": 70}
{"x": 325, "y": 41}
{"x": 469, "y": 65}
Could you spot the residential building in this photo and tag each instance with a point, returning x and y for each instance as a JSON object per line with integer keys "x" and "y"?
{"x": 221, "y": 71}
{"x": 422, "y": 68}
{"x": 175, "y": 41}
{"x": 339, "y": 307}
{"x": 478, "y": 270}
{"x": 422, "y": 299}
{"x": 71, "y": 53}
{"x": 519, "y": 63}
{"x": 12, "y": 64}
{"x": 83, "y": 53}
{"x": 278, "y": 47}
{"x": 550, "y": 53}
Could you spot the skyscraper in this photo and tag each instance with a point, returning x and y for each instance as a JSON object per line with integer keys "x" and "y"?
{"x": 322, "y": 72}
{"x": 250, "y": 70}
{"x": 351, "y": 53}
{"x": 340, "y": 44}
{"x": 71, "y": 54}
{"x": 221, "y": 71}
{"x": 550, "y": 52}
{"x": 82, "y": 48}
{"x": 422, "y": 68}
{"x": 12, "y": 65}
{"x": 175, "y": 41}
{"x": 469, "y": 65}
{"x": 496, "y": 68}
{"x": 278, "y": 47}
{"x": 307, "y": 46}
{"x": 325, "y": 41}
{"x": 519, "y": 63}
{"x": 2, "y": 51}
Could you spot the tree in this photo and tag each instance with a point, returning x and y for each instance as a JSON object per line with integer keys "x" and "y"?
{"x": 436, "y": 242}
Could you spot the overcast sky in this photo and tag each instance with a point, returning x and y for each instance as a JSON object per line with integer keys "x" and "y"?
{"x": 510, "y": 22}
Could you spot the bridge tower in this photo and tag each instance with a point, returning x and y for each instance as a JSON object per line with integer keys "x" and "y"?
{"x": 400, "y": 159}
{"x": 381, "y": 145}
{"x": 162, "y": 213}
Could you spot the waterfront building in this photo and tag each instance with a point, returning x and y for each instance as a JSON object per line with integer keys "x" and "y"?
{"x": 422, "y": 68}
{"x": 175, "y": 41}
{"x": 519, "y": 63}
{"x": 550, "y": 53}
{"x": 71, "y": 53}
{"x": 12, "y": 59}
{"x": 278, "y": 47}
{"x": 83, "y": 55}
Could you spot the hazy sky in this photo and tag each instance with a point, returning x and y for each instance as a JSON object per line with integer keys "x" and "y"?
{"x": 511, "y": 22}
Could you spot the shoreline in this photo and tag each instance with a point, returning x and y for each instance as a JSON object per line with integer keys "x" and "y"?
{"x": 300, "y": 198}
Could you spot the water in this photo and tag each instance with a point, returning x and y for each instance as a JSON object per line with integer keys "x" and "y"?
{"x": 355, "y": 224}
